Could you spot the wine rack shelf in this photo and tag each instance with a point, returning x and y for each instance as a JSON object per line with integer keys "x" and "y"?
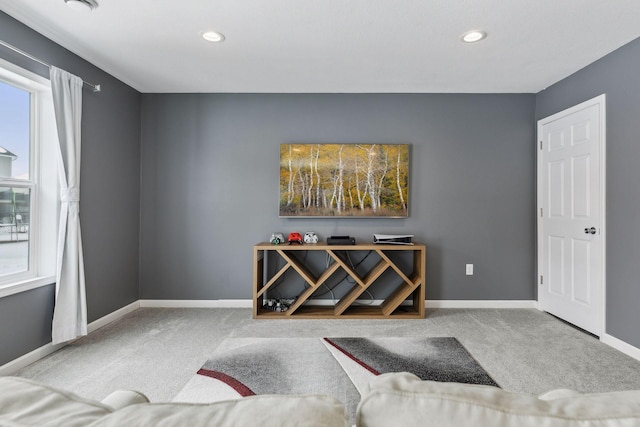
{"x": 406, "y": 300}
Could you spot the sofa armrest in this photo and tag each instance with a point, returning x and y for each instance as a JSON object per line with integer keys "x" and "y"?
{"x": 25, "y": 402}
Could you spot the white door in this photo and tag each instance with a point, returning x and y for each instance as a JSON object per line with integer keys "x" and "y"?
{"x": 571, "y": 214}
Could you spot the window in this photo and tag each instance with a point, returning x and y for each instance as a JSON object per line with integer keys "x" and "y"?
{"x": 16, "y": 185}
{"x": 28, "y": 181}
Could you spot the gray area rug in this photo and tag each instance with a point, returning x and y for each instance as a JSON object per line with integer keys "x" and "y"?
{"x": 339, "y": 367}
{"x": 436, "y": 359}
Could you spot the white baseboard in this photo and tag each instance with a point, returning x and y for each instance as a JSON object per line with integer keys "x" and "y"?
{"x": 15, "y": 365}
{"x": 481, "y": 304}
{"x": 179, "y": 303}
{"x": 105, "y": 320}
{"x": 621, "y": 346}
{"x": 247, "y": 303}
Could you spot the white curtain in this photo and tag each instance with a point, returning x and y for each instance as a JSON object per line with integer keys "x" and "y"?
{"x": 70, "y": 312}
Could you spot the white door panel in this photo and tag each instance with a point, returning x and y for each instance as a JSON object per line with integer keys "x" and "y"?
{"x": 555, "y": 188}
{"x": 571, "y": 205}
{"x": 555, "y": 263}
{"x": 580, "y": 166}
{"x": 580, "y": 277}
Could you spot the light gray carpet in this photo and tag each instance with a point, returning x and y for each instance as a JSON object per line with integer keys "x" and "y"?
{"x": 157, "y": 351}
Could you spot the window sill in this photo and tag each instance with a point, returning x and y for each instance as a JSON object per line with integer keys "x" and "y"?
{"x": 26, "y": 285}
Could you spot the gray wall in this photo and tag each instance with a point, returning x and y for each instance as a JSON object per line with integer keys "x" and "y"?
{"x": 110, "y": 196}
{"x": 210, "y": 185}
{"x": 616, "y": 75}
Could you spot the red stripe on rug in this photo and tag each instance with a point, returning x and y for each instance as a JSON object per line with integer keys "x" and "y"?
{"x": 242, "y": 389}
{"x": 352, "y": 357}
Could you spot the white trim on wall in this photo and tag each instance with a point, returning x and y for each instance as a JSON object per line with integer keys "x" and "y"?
{"x": 244, "y": 303}
{"x": 179, "y": 303}
{"x": 621, "y": 346}
{"x": 482, "y": 304}
{"x": 26, "y": 285}
{"x": 15, "y": 365}
{"x": 105, "y": 320}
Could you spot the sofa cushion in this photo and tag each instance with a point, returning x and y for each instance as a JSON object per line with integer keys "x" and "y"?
{"x": 26, "y": 403}
{"x": 261, "y": 410}
{"x": 121, "y": 398}
{"x": 402, "y": 399}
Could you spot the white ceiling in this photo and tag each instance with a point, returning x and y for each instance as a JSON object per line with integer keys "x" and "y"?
{"x": 337, "y": 45}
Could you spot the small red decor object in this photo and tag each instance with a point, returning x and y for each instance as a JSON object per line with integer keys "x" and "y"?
{"x": 295, "y": 238}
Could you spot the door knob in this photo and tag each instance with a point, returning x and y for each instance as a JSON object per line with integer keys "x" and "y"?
{"x": 591, "y": 230}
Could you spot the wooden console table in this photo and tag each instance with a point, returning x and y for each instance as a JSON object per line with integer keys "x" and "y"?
{"x": 412, "y": 285}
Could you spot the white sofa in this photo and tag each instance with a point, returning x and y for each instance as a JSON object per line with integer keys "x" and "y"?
{"x": 399, "y": 399}
{"x": 26, "y": 403}
{"x": 403, "y": 399}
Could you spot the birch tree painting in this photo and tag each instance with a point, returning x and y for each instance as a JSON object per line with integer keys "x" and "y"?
{"x": 344, "y": 180}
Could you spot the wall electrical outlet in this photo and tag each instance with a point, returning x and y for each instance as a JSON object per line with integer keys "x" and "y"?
{"x": 469, "y": 269}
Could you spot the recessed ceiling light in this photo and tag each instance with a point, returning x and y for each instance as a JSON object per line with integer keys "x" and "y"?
{"x": 473, "y": 36}
{"x": 212, "y": 36}
{"x": 83, "y": 5}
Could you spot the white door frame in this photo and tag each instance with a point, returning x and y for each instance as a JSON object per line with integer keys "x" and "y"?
{"x": 601, "y": 101}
